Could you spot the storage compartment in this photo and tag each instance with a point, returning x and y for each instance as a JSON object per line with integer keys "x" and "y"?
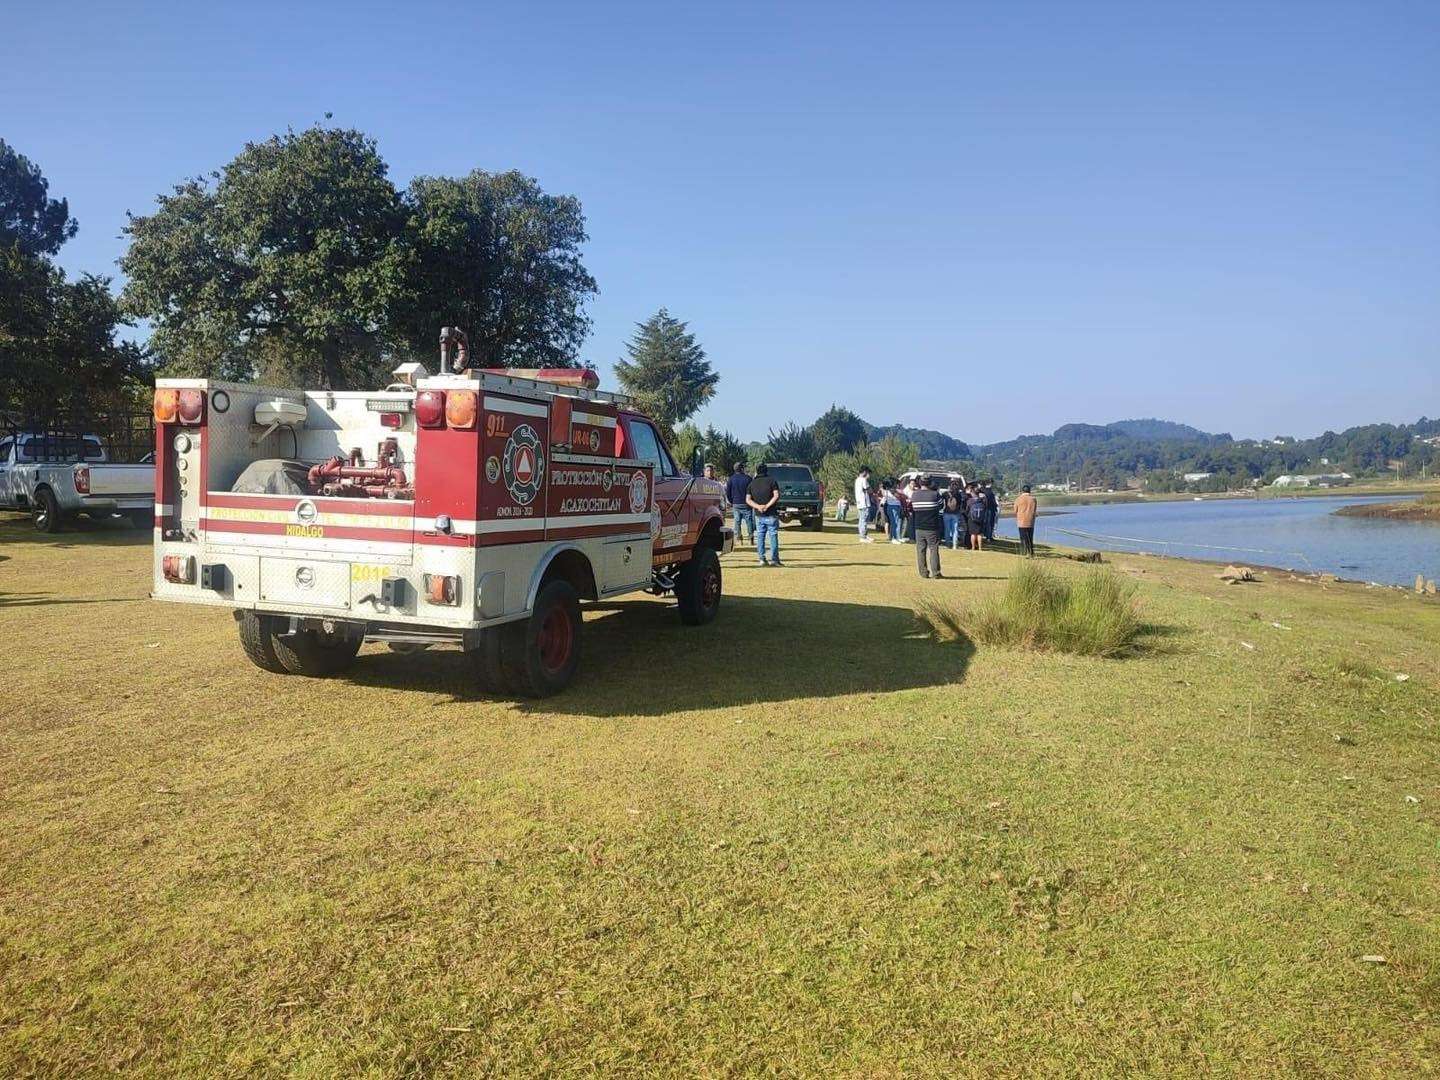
{"x": 307, "y": 582}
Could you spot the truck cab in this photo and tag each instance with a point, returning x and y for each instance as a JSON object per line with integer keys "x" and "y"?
{"x": 474, "y": 508}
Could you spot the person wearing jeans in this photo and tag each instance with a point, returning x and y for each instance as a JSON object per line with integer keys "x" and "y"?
{"x": 736, "y": 489}
{"x": 952, "y": 507}
{"x": 764, "y": 493}
{"x": 893, "y": 511}
{"x": 744, "y": 519}
{"x": 862, "y": 504}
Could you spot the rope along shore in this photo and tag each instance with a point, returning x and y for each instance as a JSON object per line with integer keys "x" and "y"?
{"x": 1167, "y": 544}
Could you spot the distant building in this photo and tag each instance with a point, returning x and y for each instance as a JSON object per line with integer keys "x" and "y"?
{"x": 1052, "y": 487}
{"x": 1313, "y": 480}
{"x": 1192, "y": 477}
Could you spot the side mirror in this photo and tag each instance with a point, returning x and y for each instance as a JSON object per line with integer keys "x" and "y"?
{"x": 697, "y": 461}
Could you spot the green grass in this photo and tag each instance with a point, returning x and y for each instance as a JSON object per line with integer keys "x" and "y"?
{"x": 1039, "y": 609}
{"x": 806, "y": 839}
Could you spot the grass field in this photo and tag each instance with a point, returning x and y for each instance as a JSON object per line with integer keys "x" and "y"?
{"x": 802, "y": 840}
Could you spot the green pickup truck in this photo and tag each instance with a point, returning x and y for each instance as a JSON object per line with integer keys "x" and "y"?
{"x": 802, "y": 497}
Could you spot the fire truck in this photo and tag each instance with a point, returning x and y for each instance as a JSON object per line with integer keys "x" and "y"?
{"x": 476, "y": 507}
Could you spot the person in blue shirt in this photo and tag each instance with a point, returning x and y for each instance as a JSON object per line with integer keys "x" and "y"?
{"x": 736, "y": 489}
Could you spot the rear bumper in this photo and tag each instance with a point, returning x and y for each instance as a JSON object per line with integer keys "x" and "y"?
{"x": 794, "y": 510}
{"x": 112, "y": 504}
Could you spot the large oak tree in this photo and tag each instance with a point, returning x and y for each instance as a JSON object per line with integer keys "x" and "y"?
{"x": 498, "y": 257}
{"x": 300, "y": 262}
{"x": 286, "y": 264}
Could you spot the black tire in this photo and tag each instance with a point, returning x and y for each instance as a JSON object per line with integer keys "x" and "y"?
{"x": 407, "y": 648}
{"x": 816, "y": 523}
{"x": 49, "y": 518}
{"x": 315, "y": 654}
{"x": 485, "y": 658}
{"x": 698, "y": 587}
{"x": 539, "y": 655}
{"x": 257, "y": 638}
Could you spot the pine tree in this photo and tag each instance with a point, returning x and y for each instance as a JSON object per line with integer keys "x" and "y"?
{"x": 666, "y": 370}
{"x": 838, "y": 429}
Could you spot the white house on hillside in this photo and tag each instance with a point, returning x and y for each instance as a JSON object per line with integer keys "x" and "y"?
{"x": 1315, "y": 480}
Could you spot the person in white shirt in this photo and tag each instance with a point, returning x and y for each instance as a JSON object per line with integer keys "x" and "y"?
{"x": 862, "y": 504}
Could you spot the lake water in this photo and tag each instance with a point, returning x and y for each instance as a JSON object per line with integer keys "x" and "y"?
{"x": 1299, "y": 534}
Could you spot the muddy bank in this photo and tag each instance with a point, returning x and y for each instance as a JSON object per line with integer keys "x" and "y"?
{"x": 1427, "y": 509}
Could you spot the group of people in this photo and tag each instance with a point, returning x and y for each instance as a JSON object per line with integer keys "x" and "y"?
{"x": 968, "y": 512}
{"x": 916, "y": 512}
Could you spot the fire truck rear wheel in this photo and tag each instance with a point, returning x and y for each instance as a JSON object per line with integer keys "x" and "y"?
{"x": 257, "y": 638}
{"x": 539, "y": 655}
{"x": 698, "y": 588}
{"x": 315, "y": 654}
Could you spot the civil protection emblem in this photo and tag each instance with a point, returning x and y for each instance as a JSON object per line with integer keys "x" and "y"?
{"x": 523, "y": 464}
{"x": 639, "y": 493}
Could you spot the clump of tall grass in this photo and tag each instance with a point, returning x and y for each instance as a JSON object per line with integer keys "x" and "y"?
{"x": 1095, "y": 615}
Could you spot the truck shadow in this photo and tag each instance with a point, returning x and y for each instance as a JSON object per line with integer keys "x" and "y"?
{"x": 638, "y": 659}
{"x": 79, "y": 532}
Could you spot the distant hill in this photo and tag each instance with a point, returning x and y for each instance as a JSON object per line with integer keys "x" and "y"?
{"x": 1158, "y": 454}
{"x": 1162, "y": 429}
{"x": 934, "y": 445}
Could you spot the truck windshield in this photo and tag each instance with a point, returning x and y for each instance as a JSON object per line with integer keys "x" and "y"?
{"x": 791, "y": 474}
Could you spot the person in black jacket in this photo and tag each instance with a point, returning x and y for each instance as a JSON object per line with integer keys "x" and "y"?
{"x": 735, "y": 491}
{"x": 975, "y": 517}
{"x": 925, "y": 514}
{"x": 992, "y": 509}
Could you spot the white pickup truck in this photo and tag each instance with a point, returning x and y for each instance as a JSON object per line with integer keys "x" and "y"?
{"x": 55, "y": 477}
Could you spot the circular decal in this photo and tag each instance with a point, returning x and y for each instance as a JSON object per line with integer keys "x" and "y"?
{"x": 607, "y": 481}
{"x": 594, "y": 441}
{"x": 524, "y": 464}
{"x": 492, "y": 468}
{"x": 220, "y": 401}
{"x": 639, "y": 493}
{"x": 305, "y": 512}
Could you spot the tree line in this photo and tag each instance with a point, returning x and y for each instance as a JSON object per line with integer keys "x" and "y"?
{"x": 300, "y": 262}
{"x": 60, "y": 344}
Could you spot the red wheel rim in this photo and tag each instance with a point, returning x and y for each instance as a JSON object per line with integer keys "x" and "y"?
{"x": 710, "y": 588}
{"x": 556, "y": 637}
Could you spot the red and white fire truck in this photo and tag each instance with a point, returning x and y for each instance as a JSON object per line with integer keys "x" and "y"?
{"x": 474, "y": 507}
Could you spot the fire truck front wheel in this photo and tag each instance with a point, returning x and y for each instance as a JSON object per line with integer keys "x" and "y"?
{"x": 697, "y": 588}
{"x": 539, "y": 655}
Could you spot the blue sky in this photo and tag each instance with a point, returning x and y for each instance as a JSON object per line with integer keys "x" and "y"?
{"x": 989, "y": 219}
